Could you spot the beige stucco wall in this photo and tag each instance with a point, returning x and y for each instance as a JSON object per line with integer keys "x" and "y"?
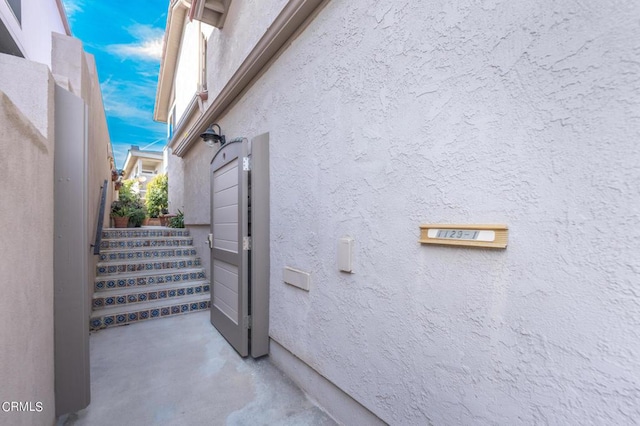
{"x": 76, "y": 71}
{"x": 26, "y": 252}
{"x": 385, "y": 116}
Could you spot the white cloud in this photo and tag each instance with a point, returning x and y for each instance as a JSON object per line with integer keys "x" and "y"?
{"x": 148, "y": 45}
{"x": 121, "y": 100}
{"x": 72, "y": 7}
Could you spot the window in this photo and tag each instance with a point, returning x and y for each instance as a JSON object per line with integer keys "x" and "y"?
{"x": 171, "y": 123}
{"x": 203, "y": 63}
{"x": 16, "y": 7}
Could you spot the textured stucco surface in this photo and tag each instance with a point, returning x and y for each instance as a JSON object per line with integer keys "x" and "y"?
{"x": 245, "y": 24}
{"x": 26, "y": 252}
{"x": 386, "y": 115}
{"x": 23, "y": 83}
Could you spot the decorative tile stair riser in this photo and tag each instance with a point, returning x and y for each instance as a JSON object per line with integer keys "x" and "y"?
{"x": 109, "y": 268}
{"x": 120, "y": 255}
{"x": 160, "y": 242}
{"x": 147, "y": 273}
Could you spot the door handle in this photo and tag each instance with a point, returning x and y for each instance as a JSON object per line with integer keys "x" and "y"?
{"x": 210, "y": 240}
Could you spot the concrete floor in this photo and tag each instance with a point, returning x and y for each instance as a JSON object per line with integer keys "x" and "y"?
{"x": 180, "y": 371}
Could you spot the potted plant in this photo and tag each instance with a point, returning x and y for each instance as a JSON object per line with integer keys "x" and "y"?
{"x": 157, "y": 199}
{"x": 177, "y": 221}
{"x": 137, "y": 215}
{"x": 128, "y": 210}
{"x": 120, "y": 214}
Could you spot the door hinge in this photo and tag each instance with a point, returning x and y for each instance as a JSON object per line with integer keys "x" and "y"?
{"x": 246, "y": 164}
{"x": 248, "y": 322}
{"x": 246, "y": 243}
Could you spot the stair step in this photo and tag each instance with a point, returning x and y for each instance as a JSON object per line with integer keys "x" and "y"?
{"x": 127, "y": 296}
{"x": 125, "y": 314}
{"x": 155, "y": 242}
{"x": 145, "y": 253}
{"x": 143, "y": 232}
{"x": 148, "y": 278}
{"x": 176, "y": 263}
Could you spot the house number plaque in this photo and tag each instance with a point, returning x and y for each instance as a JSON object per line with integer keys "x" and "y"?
{"x": 494, "y": 236}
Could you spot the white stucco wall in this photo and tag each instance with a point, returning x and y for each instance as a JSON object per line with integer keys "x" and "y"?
{"x": 187, "y": 68}
{"x": 26, "y": 252}
{"x": 382, "y": 117}
{"x": 39, "y": 19}
{"x": 228, "y": 47}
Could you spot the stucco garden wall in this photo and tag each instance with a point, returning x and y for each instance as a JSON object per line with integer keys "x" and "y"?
{"x": 382, "y": 117}
{"x": 26, "y": 252}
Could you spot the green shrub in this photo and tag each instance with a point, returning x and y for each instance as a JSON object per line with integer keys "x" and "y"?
{"x": 136, "y": 216}
{"x": 177, "y": 221}
{"x": 127, "y": 195}
{"x": 119, "y": 209}
{"x": 157, "y": 198}
{"x": 129, "y": 204}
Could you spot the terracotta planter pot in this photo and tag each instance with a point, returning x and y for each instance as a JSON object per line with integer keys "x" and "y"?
{"x": 121, "y": 222}
{"x": 164, "y": 220}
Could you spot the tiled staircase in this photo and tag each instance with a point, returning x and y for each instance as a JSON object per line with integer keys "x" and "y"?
{"x": 146, "y": 273}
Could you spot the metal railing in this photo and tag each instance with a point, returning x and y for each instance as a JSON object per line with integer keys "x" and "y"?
{"x": 103, "y": 201}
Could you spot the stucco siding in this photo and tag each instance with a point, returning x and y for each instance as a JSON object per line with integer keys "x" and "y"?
{"x": 26, "y": 253}
{"x": 245, "y": 24}
{"x": 382, "y": 117}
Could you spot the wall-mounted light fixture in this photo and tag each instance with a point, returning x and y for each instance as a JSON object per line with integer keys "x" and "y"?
{"x": 210, "y": 136}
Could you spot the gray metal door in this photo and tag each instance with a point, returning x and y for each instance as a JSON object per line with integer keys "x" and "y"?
{"x": 230, "y": 244}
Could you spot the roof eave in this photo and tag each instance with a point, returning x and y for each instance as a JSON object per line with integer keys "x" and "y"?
{"x": 170, "y": 49}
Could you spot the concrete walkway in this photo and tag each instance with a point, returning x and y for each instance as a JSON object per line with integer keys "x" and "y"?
{"x": 180, "y": 371}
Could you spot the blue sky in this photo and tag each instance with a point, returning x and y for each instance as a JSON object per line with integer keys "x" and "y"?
{"x": 126, "y": 39}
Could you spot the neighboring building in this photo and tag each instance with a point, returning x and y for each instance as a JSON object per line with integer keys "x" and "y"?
{"x": 143, "y": 166}
{"x": 55, "y": 157}
{"x": 382, "y": 116}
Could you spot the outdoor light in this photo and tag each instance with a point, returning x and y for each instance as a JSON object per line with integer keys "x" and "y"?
{"x": 210, "y": 136}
